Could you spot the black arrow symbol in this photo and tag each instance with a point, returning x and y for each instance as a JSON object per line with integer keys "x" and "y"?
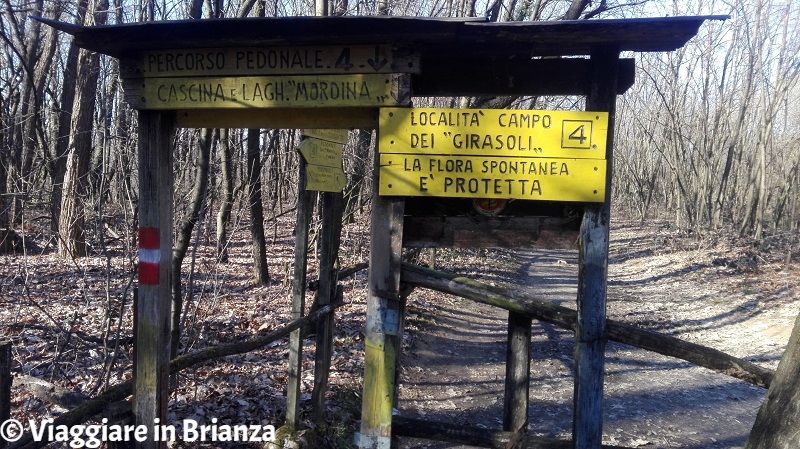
{"x": 379, "y": 61}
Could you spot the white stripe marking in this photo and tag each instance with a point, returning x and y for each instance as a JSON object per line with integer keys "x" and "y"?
{"x": 149, "y": 255}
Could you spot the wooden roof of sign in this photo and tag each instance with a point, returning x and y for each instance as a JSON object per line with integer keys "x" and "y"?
{"x": 437, "y": 38}
{"x": 435, "y": 56}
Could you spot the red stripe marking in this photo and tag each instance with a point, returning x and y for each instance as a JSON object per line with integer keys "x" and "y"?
{"x": 149, "y": 238}
{"x": 148, "y": 273}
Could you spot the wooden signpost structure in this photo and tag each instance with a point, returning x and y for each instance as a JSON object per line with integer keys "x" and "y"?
{"x": 444, "y": 177}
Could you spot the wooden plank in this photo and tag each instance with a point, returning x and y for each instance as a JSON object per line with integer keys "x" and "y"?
{"x": 321, "y": 152}
{"x": 328, "y": 135}
{"x": 329, "y": 251}
{"x": 304, "y": 210}
{"x": 518, "y": 373}
{"x": 438, "y": 207}
{"x": 365, "y": 118}
{"x": 282, "y": 60}
{"x": 463, "y": 75}
{"x": 541, "y": 179}
{"x": 564, "y": 317}
{"x": 489, "y": 232}
{"x": 590, "y": 331}
{"x": 383, "y": 325}
{"x": 493, "y": 132}
{"x": 152, "y": 312}
{"x": 325, "y": 179}
{"x": 255, "y": 92}
{"x": 6, "y": 360}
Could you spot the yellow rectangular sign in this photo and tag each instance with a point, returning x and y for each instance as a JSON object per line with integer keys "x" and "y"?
{"x": 265, "y": 92}
{"x": 550, "y": 179}
{"x": 325, "y": 179}
{"x": 341, "y": 59}
{"x": 321, "y": 152}
{"x": 493, "y": 132}
{"x": 331, "y": 135}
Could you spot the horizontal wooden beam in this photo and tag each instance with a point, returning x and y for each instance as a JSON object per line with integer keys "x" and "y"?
{"x": 496, "y": 232}
{"x": 564, "y": 317}
{"x": 468, "y": 76}
{"x": 335, "y": 118}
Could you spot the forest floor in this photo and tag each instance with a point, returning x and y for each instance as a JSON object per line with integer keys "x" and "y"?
{"x": 717, "y": 291}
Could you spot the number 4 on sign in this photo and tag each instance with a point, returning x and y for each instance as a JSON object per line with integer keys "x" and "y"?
{"x": 576, "y": 134}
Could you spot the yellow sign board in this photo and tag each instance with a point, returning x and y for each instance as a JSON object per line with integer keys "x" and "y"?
{"x": 341, "y": 59}
{"x": 321, "y": 152}
{"x": 493, "y": 132}
{"x": 325, "y": 179}
{"x": 551, "y": 179}
{"x": 265, "y": 92}
{"x": 331, "y": 135}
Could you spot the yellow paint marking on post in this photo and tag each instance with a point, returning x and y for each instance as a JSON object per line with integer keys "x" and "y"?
{"x": 494, "y": 132}
{"x": 321, "y": 152}
{"x": 331, "y": 135}
{"x": 341, "y": 59}
{"x": 325, "y": 179}
{"x": 266, "y": 92}
{"x": 551, "y": 179}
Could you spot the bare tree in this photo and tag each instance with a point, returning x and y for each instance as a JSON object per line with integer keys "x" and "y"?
{"x": 255, "y": 202}
{"x": 203, "y": 143}
{"x": 226, "y": 184}
{"x": 71, "y": 227}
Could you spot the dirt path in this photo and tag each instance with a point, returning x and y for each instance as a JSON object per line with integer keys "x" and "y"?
{"x": 454, "y": 371}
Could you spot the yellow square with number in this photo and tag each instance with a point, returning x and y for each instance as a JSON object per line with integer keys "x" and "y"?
{"x": 576, "y": 134}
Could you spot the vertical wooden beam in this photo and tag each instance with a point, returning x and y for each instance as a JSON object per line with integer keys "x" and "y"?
{"x": 304, "y": 209}
{"x": 518, "y": 372}
{"x": 329, "y": 251}
{"x": 590, "y": 333}
{"x": 383, "y": 321}
{"x": 152, "y": 312}
{"x": 5, "y": 385}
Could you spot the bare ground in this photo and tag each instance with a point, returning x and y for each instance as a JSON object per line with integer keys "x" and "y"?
{"x": 714, "y": 293}
{"x": 719, "y": 292}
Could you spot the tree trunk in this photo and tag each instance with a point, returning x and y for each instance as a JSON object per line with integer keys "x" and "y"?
{"x": 72, "y": 240}
{"x": 29, "y": 112}
{"x": 777, "y": 424}
{"x": 204, "y": 141}
{"x": 259, "y": 244}
{"x": 355, "y": 196}
{"x": 224, "y": 215}
{"x": 5, "y": 225}
{"x": 58, "y": 158}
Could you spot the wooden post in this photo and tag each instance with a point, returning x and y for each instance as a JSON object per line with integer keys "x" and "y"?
{"x": 328, "y": 280}
{"x": 5, "y": 385}
{"x": 518, "y": 372}
{"x": 384, "y": 332}
{"x": 590, "y": 332}
{"x": 304, "y": 209}
{"x": 152, "y": 312}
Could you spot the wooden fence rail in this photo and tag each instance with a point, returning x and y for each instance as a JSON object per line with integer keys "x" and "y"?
{"x": 525, "y": 303}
